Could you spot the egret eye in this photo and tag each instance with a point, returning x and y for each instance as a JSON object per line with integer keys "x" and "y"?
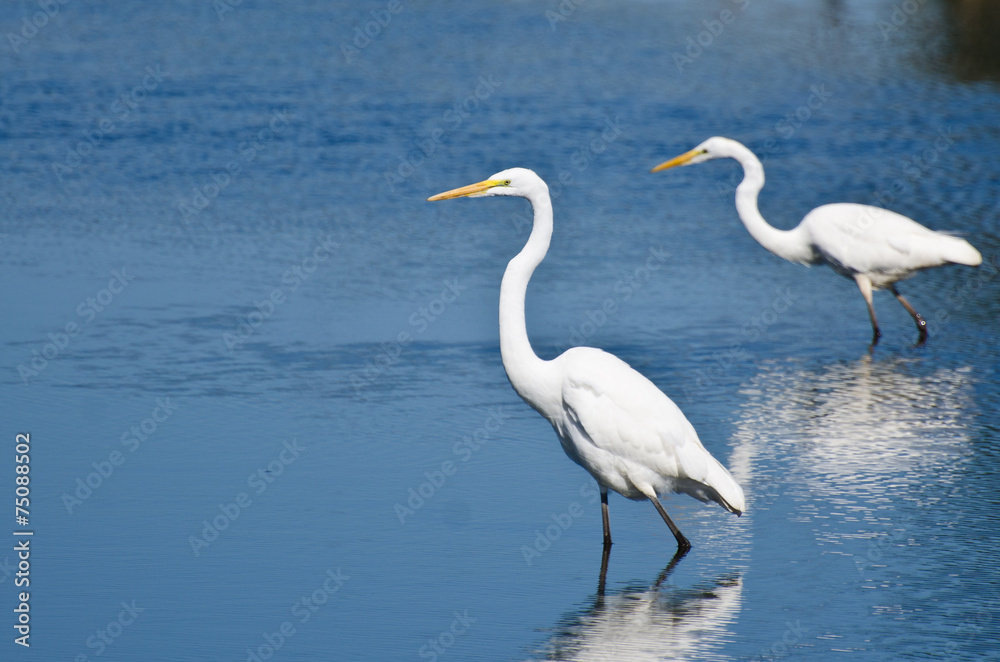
{"x": 506, "y": 182}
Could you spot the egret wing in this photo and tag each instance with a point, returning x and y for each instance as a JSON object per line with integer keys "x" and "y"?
{"x": 865, "y": 239}
{"x": 628, "y": 421}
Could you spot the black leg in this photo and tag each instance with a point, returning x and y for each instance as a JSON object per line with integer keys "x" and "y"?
{"x": 865, "y": 285}
{"x": 682, "y": 543}
{"x": 921, "y": 324}
{"x": 604, "y": 516}
{"x": 670, "y": 566}
{"x": 605, "y": 555}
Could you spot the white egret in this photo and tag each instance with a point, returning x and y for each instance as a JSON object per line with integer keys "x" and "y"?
{"x": 873, "y": 246}
{"x": 610, "y": 419}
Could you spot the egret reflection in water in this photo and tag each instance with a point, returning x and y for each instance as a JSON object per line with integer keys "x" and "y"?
{"x": 865, "y": 434}
{"x": 659, "y": 622}
{"x": 863, "y": 476}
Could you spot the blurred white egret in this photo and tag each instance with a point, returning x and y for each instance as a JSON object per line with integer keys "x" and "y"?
{"x": 873, "y": 246}
{"x": 610, "y": 419}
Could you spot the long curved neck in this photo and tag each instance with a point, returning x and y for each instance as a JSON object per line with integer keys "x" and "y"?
{"x": 787, "y": 244}
{"x": 519, "y": 359}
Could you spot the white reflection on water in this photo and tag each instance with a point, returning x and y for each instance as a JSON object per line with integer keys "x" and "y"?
{"x": 855, "y": 442}
{"x": 662, "y": 622}
{"x": 860, "y": 478}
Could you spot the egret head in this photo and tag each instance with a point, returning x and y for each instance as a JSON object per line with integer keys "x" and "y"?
{"x": 513, "y": 181}
{"x": 713, "y": 148}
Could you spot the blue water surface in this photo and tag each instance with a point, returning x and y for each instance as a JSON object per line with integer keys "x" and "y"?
{"x": 261, "y": 373}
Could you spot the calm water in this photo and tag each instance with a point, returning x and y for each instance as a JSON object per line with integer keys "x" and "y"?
{"x": 261, "y": 374}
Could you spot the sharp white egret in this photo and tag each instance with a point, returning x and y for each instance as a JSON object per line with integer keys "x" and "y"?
{"x": 610, "y": 419}
{"x": 873, "y": 246}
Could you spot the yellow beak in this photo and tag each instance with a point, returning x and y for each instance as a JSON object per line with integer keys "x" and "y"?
{"x": 467, "y": 191}
{"x": 678, "y": 160}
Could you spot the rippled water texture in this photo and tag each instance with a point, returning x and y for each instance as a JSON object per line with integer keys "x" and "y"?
{"x": 261, "y": 373}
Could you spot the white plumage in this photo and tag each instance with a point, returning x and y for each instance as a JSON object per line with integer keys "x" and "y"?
{"x": 873, "y": 246}
{"x": 610, "y": 419}
{"x": 630, "y": 436}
